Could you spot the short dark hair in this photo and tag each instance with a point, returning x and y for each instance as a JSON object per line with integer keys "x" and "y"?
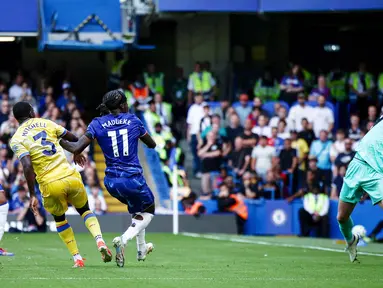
{"x": 22, "y": 110}
{"x": 112, "y": 101}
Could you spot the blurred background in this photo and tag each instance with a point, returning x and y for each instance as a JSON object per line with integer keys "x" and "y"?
{"x": 257, "y": 106}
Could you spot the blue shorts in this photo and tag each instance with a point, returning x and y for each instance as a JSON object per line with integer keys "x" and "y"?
{"x": 132, "y": 191}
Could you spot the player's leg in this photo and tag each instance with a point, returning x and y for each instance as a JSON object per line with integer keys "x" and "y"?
{"x": 66, "y": 234}
{"x": 79, "y": 199}
{"x": 55, "y": 202}
{"x": 3, "y": 220}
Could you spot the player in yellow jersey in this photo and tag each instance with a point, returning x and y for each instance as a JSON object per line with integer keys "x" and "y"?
{"x": 36, "y": 144}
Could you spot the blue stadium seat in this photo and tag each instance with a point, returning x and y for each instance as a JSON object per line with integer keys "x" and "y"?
{"x": 269, "y": 106}
{"x": 214, "y": 104}
{"x": 236, "y": 104}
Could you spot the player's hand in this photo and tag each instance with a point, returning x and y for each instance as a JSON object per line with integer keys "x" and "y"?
{"x": 34, "y": 205}
{"x": 79, "y": 159}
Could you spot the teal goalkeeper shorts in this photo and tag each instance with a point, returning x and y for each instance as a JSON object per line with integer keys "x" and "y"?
{"x": 361, "y": 177}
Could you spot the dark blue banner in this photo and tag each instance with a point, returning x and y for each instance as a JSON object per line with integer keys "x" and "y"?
{"x": 208, "y": 5}
{"x": 318, "y": 5}
{"x": 18, "y": 16}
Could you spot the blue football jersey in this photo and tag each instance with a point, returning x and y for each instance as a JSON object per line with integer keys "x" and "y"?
{"x": 118, "y": 137}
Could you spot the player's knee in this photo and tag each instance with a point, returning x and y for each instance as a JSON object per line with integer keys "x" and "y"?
{"x": 59, "y": 218}
{"x": 342, "y": 218}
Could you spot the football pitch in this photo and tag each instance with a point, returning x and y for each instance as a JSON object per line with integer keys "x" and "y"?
{"x": 192, "y": 261}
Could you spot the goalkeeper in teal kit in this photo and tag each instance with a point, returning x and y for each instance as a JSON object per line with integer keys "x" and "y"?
{"x": 364, "y": 174}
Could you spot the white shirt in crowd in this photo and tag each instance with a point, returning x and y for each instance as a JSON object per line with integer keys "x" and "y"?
{"x": 263, "y": 155}
{"x": 336, "y": 148}
{"x": 322, "y": 117}
{"x": 262, "y": 131}
{"x": 297, "y": 113}
{"x": 92, "y": 203}
{"x": 16, "y": 91}
{"x": 195, "y": 114}
{"x": 275, "y": 120}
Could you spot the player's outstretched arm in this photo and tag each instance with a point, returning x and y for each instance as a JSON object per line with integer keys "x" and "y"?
{"x": 30, "y": 176}
{"x": 148, "y": 141}
{"x": 76, "y": 147}
{"x": 69, "y": 136}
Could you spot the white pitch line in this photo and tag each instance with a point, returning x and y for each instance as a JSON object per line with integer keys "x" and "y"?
{"x": 249, "y": 241}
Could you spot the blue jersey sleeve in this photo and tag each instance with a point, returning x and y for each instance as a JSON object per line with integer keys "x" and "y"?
{"x": 1, "y": 188}
{"x": 91, "y": 131}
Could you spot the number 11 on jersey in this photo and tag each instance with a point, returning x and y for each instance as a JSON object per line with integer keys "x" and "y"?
{"x": 125, "y": 142}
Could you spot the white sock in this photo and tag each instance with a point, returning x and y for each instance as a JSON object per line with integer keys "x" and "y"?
{"x": 137, "y": 226}
{"x": 77, "y": 257}
{"x": 3, "y": 218}
{"x": 140, "y": 238}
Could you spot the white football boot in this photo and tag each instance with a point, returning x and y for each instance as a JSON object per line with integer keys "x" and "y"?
{"x": 120, "y": 251}
{"x": 352, "y": 248}
{"x": 141, "y": 255}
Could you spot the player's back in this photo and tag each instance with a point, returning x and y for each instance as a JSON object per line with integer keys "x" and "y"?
{"x": 118, "y": 137}
{"x": 370, "y": 147}
{"x": 39, "y": 138}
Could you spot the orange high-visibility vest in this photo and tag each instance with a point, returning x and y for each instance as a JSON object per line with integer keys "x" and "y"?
{"x": 239, "y": 207}
{"x": 194, "y": 208}
{"x": 140, "y": 93}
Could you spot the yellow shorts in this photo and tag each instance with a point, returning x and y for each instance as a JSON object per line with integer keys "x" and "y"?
{"x": 57, "y": 194}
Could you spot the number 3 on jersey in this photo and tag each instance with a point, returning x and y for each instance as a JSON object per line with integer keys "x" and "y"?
{"x": 43, "y": 136}
{"x": 125, "y": 142}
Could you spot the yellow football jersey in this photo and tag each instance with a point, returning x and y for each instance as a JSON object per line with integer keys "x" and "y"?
{"x": 39, "y": 138}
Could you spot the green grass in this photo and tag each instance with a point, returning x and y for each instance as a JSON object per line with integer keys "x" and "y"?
{"x": 179, "y": 261}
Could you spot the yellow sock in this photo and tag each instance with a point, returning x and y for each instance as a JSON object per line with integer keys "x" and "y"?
{"x": 67, "y": 236}
{"x": 92, "y": 224}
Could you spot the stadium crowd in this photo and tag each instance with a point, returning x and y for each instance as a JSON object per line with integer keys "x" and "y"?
{"x": 61, "y": 107}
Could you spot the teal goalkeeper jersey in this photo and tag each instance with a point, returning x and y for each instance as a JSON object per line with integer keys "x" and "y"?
{"x": 370, "y": 148}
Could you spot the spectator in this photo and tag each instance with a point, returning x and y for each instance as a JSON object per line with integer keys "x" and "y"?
{"x": 283, "y": 132}
{"x": 257, "y": 103}
{"x": 46, "y": 100}
{"x": 9, "y": 127}
{"x": 262, "y": 157}
{"x": 4, "y": 112}
{"x": 321, "y": 90}
{"x": 354, "y": 132}
{"x": 235, "y": 129}
{"x": 34, "y": 222}
{"x": 252, "y": 188}
{"x": 206, "y": 120}
{"x": 362, "y": 84}
{"x": 254, "y": 115}
{"x": 224, "y": 111}
{"x": 322, "y": 117}
{"x": 288, "y": 157}
{"x": 239, "y": 158}
{"x": 17, "y": 90}
{"x": 267, "y": 88}
{"x": 282, "y": 115}
{"x": 95, "y": 197}
{"x": 163, "y": 109}
{"x": 345, "y": 157}
{"x": 270, "y": 184}
{"x": 337, "y": 183}
{"x": 307, "y": 133}
{"x": 243, "y": 110}
{"x": 315, "y": 213}
{"x": 275, "y": 141}
{"x": 356, "y": 143}
{"x": 151, "y": 118}
{"x": 56, "y": 117}
{"x": 211, "y": 158}
{"x": 215, "y": 120}
{"x": 302, "y": 153}
{"x": 299, "y": 112}
{"x": 194, "y": 116}
{"x": 320, "y": 149}
{"x": 249, "y": 139}
{"x": 338, "y": 146}
{"x": 66, "y": 96}
{"x": 262, "y": 129}
{"x": 200, "y": 82}
{"x": 372, "y": 116}
{"x": 291, "y": 85}
{"x": 19, "y": 201}
{"x": 27, "y": 96}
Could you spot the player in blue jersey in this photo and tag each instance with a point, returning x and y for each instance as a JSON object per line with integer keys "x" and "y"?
{"x": 3, "y": 219}
{"x": 364, "y": 174}
{"x": 117, "y": 132}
